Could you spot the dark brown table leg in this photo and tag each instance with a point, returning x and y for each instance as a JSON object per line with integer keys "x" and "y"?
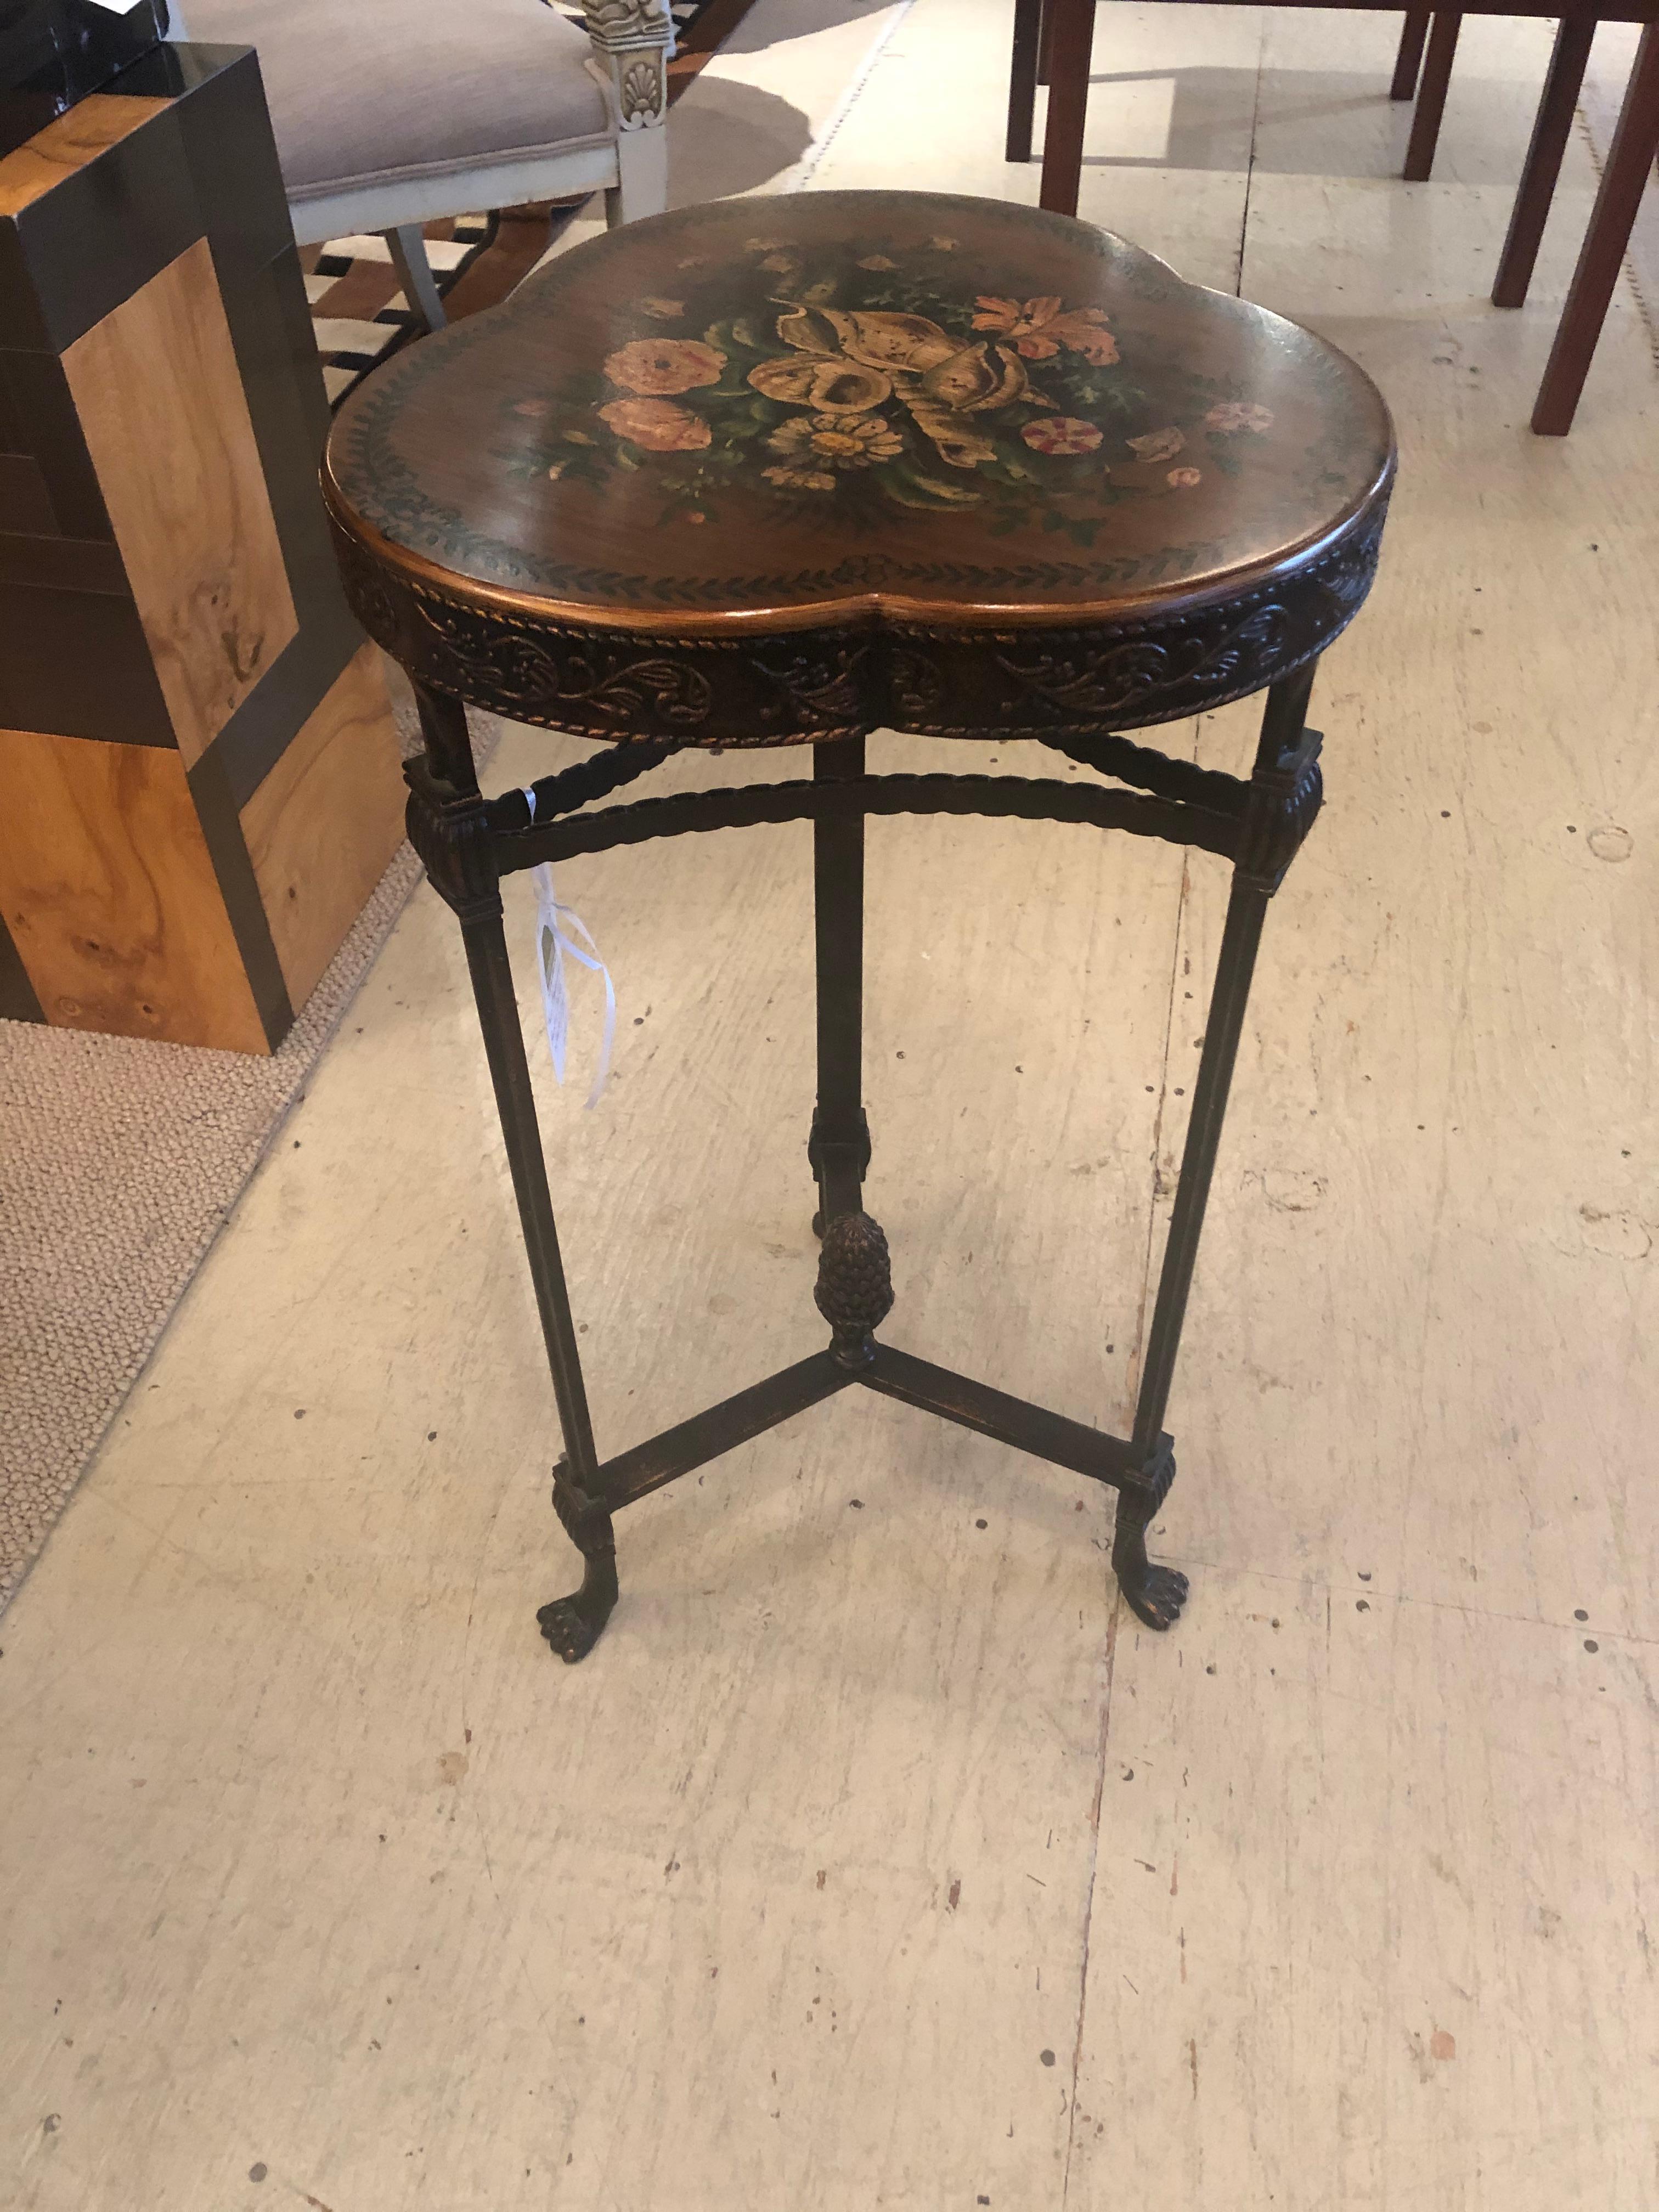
{"x": 1549, "y": 142}
{"x": 1287, "y": 790}
{"x": 839, "y": 1146}
{"x": 1634, "y": 145}
{"x": 1073, "y": 39}
{"x": 1023, "y": 79}
{"x": 1432, "y": 98}
{"x": 1409, "y": 59}
{"x": 449, "y": 828}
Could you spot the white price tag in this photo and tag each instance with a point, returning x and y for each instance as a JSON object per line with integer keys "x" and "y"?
{"x": 557, "y": 929}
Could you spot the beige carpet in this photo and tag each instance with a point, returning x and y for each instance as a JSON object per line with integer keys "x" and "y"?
{"x": 119, "y": 1160}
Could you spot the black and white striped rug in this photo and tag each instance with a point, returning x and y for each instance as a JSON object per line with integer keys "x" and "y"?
{"x": 357, "y": 310}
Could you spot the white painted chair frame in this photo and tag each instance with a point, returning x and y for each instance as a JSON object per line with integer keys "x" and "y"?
{"x": 629, "y": 61}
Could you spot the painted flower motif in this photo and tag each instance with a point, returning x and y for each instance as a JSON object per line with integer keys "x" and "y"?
{"x": 657, "y": 426}
{"x": 1022, "y": 325}
{"x": 664, "y": 365}
{"x": 532, "y": 409}
{"x": 835, "y": 442}
{"x": 943, "y": 245}
{"x": 763, "y": 245}
{"x": 1158, "y": 445}
{"x": 880, "y": 339}
{"x": 805, "y": 329}
{"x": 966, "y": 382}
{"x": 1083, "y": 332}
{"x": 1231, "y": 415}
{"x": 1060, "y": 434}
{"x": 796, "y": 479}
{"x": 943, "y": 383}
{"x": 835, "y": 387}
{"x": 958, "y": 438}
{"x": 1037, "y": 329}
{"x": 845, "y": 392}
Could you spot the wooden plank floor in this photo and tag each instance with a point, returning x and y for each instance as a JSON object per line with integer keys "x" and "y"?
{"x": 876, "y": 1858}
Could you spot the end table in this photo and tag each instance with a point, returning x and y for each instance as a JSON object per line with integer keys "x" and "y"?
{"x": 783, "y": 473}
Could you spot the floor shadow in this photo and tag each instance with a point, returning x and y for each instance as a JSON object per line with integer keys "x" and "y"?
{"x": 1300, "y": 123}
{"x": 725, "y": 138}
{"x": 783, "y": 20}
{"x": 1209, "y": 121}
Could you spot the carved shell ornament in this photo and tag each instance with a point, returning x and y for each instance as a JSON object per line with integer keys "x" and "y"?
{"x": 890, "y": 383}
{"x": 640, "y": 92}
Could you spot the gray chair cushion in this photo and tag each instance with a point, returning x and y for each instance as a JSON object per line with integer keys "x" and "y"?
{"x": 374, "y": 91}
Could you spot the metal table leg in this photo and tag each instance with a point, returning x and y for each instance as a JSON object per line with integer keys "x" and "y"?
{"x": 449, "y": 828}
{"x": 1285, "y": 783}
{"x": 839, "y": 1146}
{"x": 467, "y": 842}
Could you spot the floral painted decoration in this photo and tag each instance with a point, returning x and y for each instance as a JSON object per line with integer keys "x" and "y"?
{"x": 884, "y": 378}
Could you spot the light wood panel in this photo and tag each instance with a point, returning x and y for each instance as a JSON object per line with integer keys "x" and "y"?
{"x": 159, "y": 397}
{"x": 322, "y": 826}
{"x": 111, "y": 897}
{"x": 67, "y": 143}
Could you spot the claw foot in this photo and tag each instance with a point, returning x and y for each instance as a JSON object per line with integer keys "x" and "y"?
{"x": 572, "y": 1624}
{"x": 1155, "y": 1595}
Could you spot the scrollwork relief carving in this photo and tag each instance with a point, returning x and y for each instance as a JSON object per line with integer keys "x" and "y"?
{"x": 1072, "y": 681}
{"x": 624, "y": 688}
{"x": 1087, "y": 683}
{"x": 822, "y": 684}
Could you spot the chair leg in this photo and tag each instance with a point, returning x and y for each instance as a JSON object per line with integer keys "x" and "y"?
{"x": 1023, "y": 79}
{"x": 1432, "y": 98}
{"x": 408, "y": 244}
{"x": 1409, "y": 59}
{"x": 1068, "y": 103}
{"x": 1635, "y": 143}
{"x": 641, "y": 186}
{"x": 1550, "y": 133}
